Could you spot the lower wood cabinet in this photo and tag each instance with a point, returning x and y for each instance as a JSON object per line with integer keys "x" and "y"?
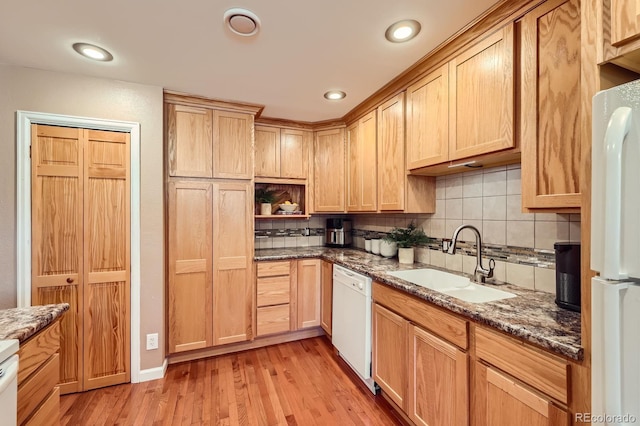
{"x": 503, "y": 401}
{"x": 422, "y": 374}
{"x": 438, "y": 381}
{"x": 518, "y": 384}
{"x": 308, "y": 292}
{"x": 326, "y": 296}
{"x": 390, "y": 354}
{"x": 38, "y": 377}
{"x": 287, "y": 295}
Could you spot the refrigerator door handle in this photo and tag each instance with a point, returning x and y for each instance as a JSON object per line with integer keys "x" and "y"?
{"x": 617, "y": 130}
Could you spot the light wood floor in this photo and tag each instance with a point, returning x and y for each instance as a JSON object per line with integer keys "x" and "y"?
{"x": 298, "y": 383}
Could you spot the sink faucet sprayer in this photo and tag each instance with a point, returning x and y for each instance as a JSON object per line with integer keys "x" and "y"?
{"x": 480, "y": 273}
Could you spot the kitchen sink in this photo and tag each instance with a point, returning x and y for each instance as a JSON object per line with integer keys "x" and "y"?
{"x": 452, "y": 285}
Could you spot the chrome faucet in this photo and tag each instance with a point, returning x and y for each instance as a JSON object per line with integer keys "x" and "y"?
{"x": 480, "y": 273}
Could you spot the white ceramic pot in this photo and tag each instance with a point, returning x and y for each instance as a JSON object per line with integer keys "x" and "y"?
{"x": 367, "y": 245}
{"x": 375, "y": 246}
{"x": 405, "y": 255}
{"x": 388, "y": 248}
{"x": 265, "y": 209}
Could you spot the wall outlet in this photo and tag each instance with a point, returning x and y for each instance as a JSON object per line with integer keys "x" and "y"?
{"x": 152, "y": 341}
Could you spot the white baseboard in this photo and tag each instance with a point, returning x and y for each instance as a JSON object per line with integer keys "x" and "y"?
{"x": 153, "y": 373}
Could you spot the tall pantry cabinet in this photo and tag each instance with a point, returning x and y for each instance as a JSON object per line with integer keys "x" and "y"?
{"x": 209, "y": 154}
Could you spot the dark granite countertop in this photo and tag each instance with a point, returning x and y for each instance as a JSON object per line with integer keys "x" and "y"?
{"x": 532, "y": 315}
{"x": 22, "y": 323}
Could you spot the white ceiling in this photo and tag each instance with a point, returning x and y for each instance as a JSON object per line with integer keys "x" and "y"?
{"x": 304, "y": 48}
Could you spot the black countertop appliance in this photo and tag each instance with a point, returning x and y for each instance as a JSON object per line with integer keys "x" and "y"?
{"x": 568, "y": 275}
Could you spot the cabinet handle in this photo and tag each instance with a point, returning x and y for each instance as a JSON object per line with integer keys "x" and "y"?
{"x": 69, "y": 280}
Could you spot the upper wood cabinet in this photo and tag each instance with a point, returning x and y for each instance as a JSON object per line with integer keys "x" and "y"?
{"x": 329, "y": 171}
{"x": 361, "y": 165}
{"x": 391, "y": 170}
{"x": 625, "y": 21}
{"x": 189, "y": 136}
{"x": 267, "y": 148}
{"x": 281, "y": 152}
{"x": 207, "y": 140}
{"x": 550, "y": 106}
{"x": 428, "y": 120}
{"x": 464, "y": 109}
{"x": 232, "y": 145}
{"x": 397, "y": 190}
{"x": 482, "y": 97}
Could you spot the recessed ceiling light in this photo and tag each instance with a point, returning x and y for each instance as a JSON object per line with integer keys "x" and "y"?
{"x": 402, "y": 31}
{"x": 93, "y": 52}
{"x": 242, "y": 21}
{"x": 335, "y": 95}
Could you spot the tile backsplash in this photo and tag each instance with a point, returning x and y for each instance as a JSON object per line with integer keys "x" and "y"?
{"x": 489, "y": 199}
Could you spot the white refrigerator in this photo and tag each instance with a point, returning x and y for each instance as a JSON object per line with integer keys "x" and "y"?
{"x": 615, "y": 256}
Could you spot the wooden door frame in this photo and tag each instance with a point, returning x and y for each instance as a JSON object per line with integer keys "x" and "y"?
{"x": 24, "y": 120}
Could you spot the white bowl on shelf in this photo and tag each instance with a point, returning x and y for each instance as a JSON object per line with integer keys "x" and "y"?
{"x": 289, "y": 207}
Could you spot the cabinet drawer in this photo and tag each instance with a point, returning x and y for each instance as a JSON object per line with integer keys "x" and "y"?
{"x": 273, "y": 269}
{"x": 37, "y": 350}
{"x": 49, "y": 412}
{"x": 273, "y": 291}
{"x": 445, "y": 325}
{"x": 34, "y": 389}
{"x": 545, "y": 372}
{"x": 273, "y": 319}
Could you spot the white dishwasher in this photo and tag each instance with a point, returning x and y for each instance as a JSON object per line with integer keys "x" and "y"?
{"x": 351, "y": 321}
{"x": 9, "y": 381}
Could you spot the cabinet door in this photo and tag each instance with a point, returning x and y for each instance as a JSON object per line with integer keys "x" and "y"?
{"x": 267, "y": 151}
{"x": 294, "y": 153}
{"x": 502, "y": 401}
{"x": 438, "y": 381}
{"x": 482, "y": 97}
{"x": 190, "y": 266}
{"x": 625, "y": 21}
{"x": 232, "y": 145}
{"x": 233, "y": 283}
{"x": 189, "y": 138}
{"x": 308, "y": 293}
{"x": 329, "y": 166}
{"x": 361, "y": 165}
{"x": 550, "y": 105}
{"x": 326, "y": 296}
{"x": 390, "y": 354}
{"x": 391, "y": 170}
{"x": 428, "y": 120}
{"x": 354, "y": 165}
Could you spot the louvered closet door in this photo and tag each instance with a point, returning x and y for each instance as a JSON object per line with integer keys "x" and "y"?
{"x": 57, "y": 237}
{"x": 107, "y": 259}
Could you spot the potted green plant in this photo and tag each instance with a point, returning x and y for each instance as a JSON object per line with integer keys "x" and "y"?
{"x": 265, "y": 197}
{"x": 406, "y": 239}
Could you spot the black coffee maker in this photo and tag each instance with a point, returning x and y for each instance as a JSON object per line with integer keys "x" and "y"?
{"x": 568, "y": 275}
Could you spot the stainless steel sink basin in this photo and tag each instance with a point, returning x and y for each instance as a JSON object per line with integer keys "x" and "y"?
{"x": 452, "y": 285}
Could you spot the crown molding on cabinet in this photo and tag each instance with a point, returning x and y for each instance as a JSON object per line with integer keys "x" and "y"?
{"x": 200, "y": 101}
